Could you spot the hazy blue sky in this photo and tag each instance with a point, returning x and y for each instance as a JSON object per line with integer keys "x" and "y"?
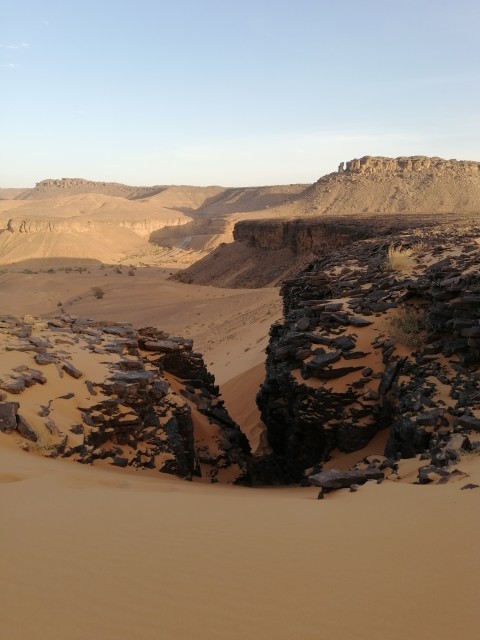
{"x": 232, "y": 92}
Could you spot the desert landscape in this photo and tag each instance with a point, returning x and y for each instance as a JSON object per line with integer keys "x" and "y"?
{"x": 242, "y": 412}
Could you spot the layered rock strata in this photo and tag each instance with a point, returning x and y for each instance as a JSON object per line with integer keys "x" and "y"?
{"x": 265, "y": 252}
{"x": 408, "y": 164}
{"x": 91, "y": 391}
{"x": 370, "y": 343}
{"x": 415, "y": 184}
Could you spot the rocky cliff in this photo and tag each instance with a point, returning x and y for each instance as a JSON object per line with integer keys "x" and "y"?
{"x": 382, "y": 334}
{"x": 53, "y": 188}
{"x": 416, "y": 184}
{"x": 405, "y": 165}
{"x": 265, "y": 252}
{"x": 103, "y": 391}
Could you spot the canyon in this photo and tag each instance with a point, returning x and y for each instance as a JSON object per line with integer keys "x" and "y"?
{"x": 185, "y": 371}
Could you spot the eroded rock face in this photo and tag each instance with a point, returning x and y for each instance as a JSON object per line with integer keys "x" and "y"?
{"x": 407, "y": 164}
{"x": 365, "y": 347}
{"x": 52, "y": 187}
{"x": 138, "y": 398}
{"x": 318, "y": 234}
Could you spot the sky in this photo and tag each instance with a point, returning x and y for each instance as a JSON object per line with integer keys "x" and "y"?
{"x": 232, "y": 92}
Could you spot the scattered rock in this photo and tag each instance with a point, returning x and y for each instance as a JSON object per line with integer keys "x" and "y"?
{"x": 25, "y": 429}
{"x": 338, "y": 479}
{"x": 71, "y": 370}
{"x": 8, "y": 416}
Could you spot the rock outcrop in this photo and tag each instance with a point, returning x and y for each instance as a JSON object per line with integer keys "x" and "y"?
{"x": 375, "y": 165}
{"x": 416, "y": 184}
{"x": 52, "y": 188}
{"x": 265, "y": 252}
{"x": 141, "y": 227}
{"x": 109, "y": 392}
{"x": 369, "y": 342}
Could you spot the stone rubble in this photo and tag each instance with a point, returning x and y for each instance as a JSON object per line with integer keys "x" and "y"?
{"x": 336, "y": 373}
{"x": 141, "y": 414}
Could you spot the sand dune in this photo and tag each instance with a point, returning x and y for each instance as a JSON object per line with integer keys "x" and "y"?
{"x": 239, "y": 393}
{"x": 94, "y": 553}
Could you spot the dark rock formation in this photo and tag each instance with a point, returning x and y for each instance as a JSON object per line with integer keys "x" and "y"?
{"x": 266, "y": 252}
{"x": 340, "y": 479}
{"x": 154, "y": 392}
{"x": 364, "y": 347}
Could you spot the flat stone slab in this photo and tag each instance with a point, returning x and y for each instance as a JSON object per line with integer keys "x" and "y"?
{"x": 469, "y": 422}
{"x": 358, "y": 321}
{"x": 161, "y": 346}
{"x": 71, "y": 370}
{"x": 13, "y": 386}
{"x": 340, "y": 479}
{"x": 45, "y": 358}
{"x": 142, "y": 377}
{"x": 321, "y": 361}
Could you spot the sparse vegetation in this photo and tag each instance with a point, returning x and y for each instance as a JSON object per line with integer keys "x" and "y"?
{"x": 400, "y": 258}
{"x": 409, "y": 327}
{"x": 98, "y": 292}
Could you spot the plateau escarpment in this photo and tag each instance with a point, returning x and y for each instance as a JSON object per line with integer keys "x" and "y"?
{"x": 103, "y": 391}
{"x": 265, "y": 252}
{"x": 382, "y": 193}
{"x": 52, "y": 188}
{"x": 415, "y": 184}
{"x": 382, "y": 334}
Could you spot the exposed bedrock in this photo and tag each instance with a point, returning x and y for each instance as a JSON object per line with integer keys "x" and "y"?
{"x": 407, "y": 164}
{"x": 365, "y": 347}
{"x": 154, "y": 406}
{"x": 265, "y": 252}
{"x": 318, "y": 234}
{"x": 142, "y": 227}
{"x": 52, "y": 187}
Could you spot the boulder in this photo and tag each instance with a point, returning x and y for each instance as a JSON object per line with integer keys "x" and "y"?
{"x": 8, "y": 416}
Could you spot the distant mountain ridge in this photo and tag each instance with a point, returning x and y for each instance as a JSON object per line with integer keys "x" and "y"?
{"x": 189, "y": 222}
{"x": 414, "y": 184}
{"x": 52, "y": 188}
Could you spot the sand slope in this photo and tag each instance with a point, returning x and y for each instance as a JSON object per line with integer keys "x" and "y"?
{"x": 229, "y": 326}
{"x": 100, "y": 554}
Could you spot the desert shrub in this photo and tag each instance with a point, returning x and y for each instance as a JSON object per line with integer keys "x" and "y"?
{"x": 131, "y": 272}
{"x": 98, "y": 292}
{"x": 399, "y": 258}
{"x": 51, "y": 270}
{"x": 409, "y": 327}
